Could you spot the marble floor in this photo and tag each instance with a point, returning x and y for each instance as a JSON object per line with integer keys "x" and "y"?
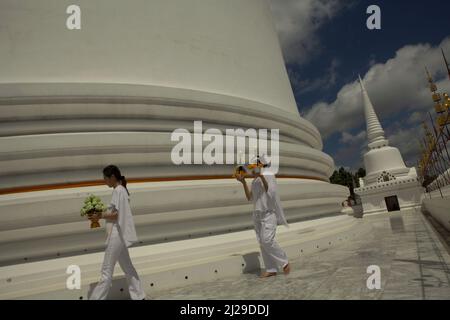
{"x": 414, "y": 264}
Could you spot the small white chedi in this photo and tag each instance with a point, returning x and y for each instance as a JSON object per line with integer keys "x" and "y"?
{"x": 388, "y": 185}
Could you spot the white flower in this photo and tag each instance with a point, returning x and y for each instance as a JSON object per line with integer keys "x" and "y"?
{"x": 92, "y": 203}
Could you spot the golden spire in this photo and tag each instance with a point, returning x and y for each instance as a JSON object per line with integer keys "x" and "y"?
{"x": 431, "y": 144}
{"x": 446, "y": 63}
{"x": 440, "y": 107}
{"x": 430, "y": 79}
{"x": 430, "y": 139}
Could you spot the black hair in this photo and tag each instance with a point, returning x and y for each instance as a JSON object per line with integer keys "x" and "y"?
{"x": 113, "y": 170}
{"x": 265, "y": 165}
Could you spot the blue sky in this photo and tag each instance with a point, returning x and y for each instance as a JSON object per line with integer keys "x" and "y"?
{"x": 329, "y": 45}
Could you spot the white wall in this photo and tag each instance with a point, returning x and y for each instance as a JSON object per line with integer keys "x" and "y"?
{"x": 438, "y": 206}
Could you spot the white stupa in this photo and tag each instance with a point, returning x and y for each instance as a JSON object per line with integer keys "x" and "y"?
{"x": 74, "y": 101}
{"x": 388, "y": 185}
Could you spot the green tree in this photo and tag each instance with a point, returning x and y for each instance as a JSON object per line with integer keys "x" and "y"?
{"x": 347, "y": 178}
{"x": 361, "y": 173}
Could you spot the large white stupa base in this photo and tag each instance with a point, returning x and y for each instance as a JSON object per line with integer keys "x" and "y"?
{"x": 173, "y": 264}
{"x": 47, "y": 224}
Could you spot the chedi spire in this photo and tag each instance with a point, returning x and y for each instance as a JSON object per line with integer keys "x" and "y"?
{"x": 375, "y": 132}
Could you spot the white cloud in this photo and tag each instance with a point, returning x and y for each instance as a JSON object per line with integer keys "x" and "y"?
{"x": 326, "y": 81}
{"x": 297, "y": 23}
{"x": 406, "y": 140}
{"x": 349, "y": 138}
{"x": 398, "y": 85}
{"x": 416, "y": 117}
{"x": 346, "y": 168}
{"x": 353, "y": 147}
{"x": 351, "y": 150}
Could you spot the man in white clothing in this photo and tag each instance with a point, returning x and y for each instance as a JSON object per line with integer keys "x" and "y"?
{"x": 267, "y": 214}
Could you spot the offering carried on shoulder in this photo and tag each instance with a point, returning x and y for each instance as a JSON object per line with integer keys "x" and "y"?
{"x": 246, "y": 169}
{"x": 239, "y": 170}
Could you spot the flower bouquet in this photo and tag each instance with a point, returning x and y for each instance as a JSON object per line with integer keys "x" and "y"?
{"x": 93, "y": 205}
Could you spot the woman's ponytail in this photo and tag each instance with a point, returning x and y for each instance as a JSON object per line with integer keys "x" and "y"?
{"x": 123, "y": 181}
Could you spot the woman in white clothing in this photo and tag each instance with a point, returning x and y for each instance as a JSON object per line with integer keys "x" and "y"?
{"x": 121, "y": 235}
{"x": 267, "y": 214}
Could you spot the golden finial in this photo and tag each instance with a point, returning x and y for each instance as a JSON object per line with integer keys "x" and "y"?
{"x": 447, "y": 65}
{"x": 430, "y": 79}
{"x": 433, "y": 86}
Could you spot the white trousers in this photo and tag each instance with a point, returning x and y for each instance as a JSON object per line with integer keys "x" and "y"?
{"x": 116, "y": 251}
{"x": 265, "y": 228}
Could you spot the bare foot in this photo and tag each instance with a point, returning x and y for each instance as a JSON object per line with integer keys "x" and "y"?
{"x": 287, "y": 269}
{"x": 267, "y": 274}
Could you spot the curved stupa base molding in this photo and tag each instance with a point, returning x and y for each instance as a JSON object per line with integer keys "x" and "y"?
{"x": 163, "y": 212}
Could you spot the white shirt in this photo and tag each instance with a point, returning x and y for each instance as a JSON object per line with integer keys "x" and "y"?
{"x": 260, "y": 197}
{"x": 267, "y": 201}
{"x": 125, "y": 223}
